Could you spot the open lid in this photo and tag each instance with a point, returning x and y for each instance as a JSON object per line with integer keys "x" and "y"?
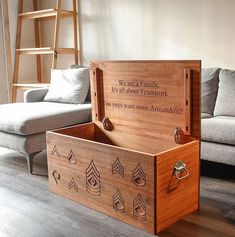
{"x": 155, "y": 96}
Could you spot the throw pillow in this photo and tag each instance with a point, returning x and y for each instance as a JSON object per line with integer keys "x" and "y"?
{"x": 210, "y": 80}
{"x": 225, "y": 102}
{"x": 68, "y": 86}
{"x": 88, "y": 98}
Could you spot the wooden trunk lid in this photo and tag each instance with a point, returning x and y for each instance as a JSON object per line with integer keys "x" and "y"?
{"x": 149, "y": 98}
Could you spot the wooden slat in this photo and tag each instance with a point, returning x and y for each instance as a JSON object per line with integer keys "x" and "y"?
{"x": 18, "y": 43}
{"x": 75, "y": 31}
{"x": 65, "y": 51}
{"x": 46, "y": 50}
{"x": 57, "y": 33}
{"x": 31, "y": 85}
{"x": 47, "y": 13}
{"x": 7, "y": 43}
{"x": 37, "y": 42}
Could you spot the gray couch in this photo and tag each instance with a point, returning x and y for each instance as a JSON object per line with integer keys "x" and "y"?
{"x": 23, "y": 125}
{"x": 218, "y": 115}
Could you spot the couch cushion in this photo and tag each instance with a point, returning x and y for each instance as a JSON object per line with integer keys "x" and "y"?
{"x": 225, "y": 102}
{"x": 31, "y": 118}
{"x": 219, "y": 129}
{"x": 68, "y": 86}
{"x": 210, "y": 80}
{"x": 217, "y": 152}
{"x": 88, "y": 98}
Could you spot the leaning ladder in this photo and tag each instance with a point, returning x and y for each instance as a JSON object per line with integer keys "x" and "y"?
{"x": 38, "y": 15}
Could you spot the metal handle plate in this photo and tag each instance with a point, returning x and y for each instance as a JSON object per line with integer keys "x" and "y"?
{"x": 180, "y": 170}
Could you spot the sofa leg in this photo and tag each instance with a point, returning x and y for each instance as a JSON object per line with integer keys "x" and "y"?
{"x": 29, "y": 158}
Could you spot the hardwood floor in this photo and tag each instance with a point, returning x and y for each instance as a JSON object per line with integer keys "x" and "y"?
{"x": 27, "y": 209}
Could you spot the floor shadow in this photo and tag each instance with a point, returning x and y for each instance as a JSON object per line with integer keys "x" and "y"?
{"x": 217, "y": 170}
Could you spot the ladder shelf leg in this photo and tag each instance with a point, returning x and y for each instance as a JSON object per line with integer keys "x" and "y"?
{"x": 57, "y": 33}
{"x": 37, "y": 42}
{"x": 18, "y": 43}
{"x": 75, "y": 25}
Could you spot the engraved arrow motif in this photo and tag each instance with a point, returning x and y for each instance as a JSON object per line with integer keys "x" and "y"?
{"x": 93, "y": 179}
{"x": 139, "y": 208}
{"x": 55, "y": 151}
{"x": 72, "y": 158}
{"x": 56, "y": 176}
{"x": 73, "y": 184}
{"x": 139, "y": 177}
{"x": 118, "y": 168}
{"x": 118, "y": 202}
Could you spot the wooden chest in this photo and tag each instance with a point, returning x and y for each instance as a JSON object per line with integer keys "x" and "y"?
{"x": 138, "y": 161}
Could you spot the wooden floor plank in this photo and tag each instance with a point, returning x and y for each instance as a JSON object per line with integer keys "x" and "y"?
{"x": 27, "y": 208}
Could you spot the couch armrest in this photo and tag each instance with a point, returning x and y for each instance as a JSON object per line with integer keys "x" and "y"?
{"x": 35, "y": 95}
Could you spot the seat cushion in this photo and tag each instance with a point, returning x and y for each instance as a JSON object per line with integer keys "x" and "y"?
{"x": 225, "y": 102}
{"x": 23, "y": 144}
{"x": 32, "y": 118}
{"x": 218, "y": 152}
{"x": 210, "y": 80}
{"x": 219, "y": 129}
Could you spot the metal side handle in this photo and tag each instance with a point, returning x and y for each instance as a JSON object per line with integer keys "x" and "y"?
{"x": 180, "y": 170}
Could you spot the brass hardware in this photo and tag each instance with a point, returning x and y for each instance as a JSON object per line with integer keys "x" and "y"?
{"x": 180, "y": 170}
{"x": 107, "y": 124}
{"x": 177, "y": 135}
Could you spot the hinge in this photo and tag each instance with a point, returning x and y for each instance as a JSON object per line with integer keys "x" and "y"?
{"x": 178, "y": 132}
{"x": 107, "y": 125}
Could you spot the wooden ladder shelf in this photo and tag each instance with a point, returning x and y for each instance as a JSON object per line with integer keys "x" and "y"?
{"x": 36, "y": 16}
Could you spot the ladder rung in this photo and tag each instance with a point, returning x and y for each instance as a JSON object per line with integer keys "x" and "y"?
{"x": 66, "y": 50}
{"x": 48, "y": 13}
{"x": 31, "y": 85}
{"x": 46, "y": 50}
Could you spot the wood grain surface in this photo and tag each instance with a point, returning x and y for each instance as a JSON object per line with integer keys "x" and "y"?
{"x": 103, "y": 158}
{"x": 148, "y": 95}
{"x": 176, "y": 198}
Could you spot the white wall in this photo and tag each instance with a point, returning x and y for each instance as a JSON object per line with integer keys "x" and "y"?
{"x": 159, "y": 29}
{"x": 66, "y": 37}
{"x": 27, "y": 72}
{"x": 27, "y": 63}
{"x": 138, "y": 29}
